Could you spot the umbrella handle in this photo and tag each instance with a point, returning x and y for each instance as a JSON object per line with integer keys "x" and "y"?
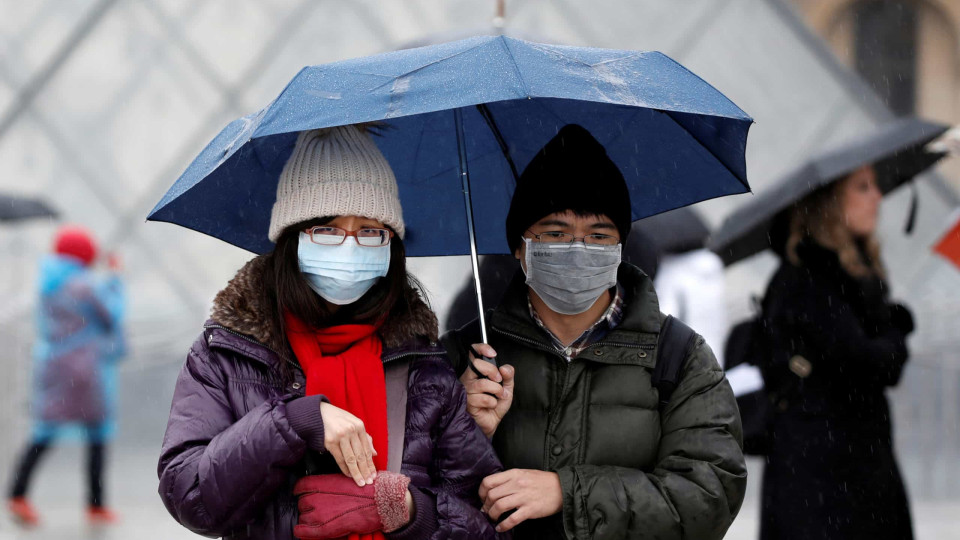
{"x": 476, "y": 371}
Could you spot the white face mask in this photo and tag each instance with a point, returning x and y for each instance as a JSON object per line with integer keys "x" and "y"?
{"x": 342, "y": 274}
{"x": 570, "y": 277}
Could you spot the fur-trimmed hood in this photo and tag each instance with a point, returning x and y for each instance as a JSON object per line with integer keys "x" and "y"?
{"x": 239, "y": 308}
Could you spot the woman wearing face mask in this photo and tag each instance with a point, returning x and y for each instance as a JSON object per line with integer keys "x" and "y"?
{"x": 838, "y": 344}
{"x": 292, "y": 370}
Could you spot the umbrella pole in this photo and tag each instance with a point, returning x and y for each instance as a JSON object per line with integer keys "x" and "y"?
{"x": 465, "y": 184}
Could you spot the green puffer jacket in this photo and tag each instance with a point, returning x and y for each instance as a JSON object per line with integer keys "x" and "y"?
{"x": 626, "y": 472}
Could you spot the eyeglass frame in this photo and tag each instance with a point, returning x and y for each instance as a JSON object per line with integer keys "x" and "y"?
{"x": 574, "y": 238}
{"x": 347, "y": 234}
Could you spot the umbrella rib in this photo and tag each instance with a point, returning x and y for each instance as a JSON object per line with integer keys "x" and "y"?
{"x": 492, "y": 124}
{"x": 415, "y": 70}
{"x": 705, "y": 147}
{"x": 516, "y": 67}
{"x": 637, "y": 54}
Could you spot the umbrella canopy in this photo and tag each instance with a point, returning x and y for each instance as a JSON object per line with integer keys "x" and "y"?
{"x": 485, "y": 106}
{"x": 18, "y": 208}
{"x": 676, "y": 231}
{"x": 897, "y": 150}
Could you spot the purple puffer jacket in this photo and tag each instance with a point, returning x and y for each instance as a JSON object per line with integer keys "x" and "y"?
{"x": 237, "y": 433}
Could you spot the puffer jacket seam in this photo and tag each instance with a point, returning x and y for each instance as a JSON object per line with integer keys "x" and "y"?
{"x": 714, "y": 378}
{"x": 623, "y": 406}
{"x": 426, "y": 392}
{"x": 200, "y": 508}
{"x": 278, "y": 420}
{"x": 455, "y": 487}
{"x": 584, "y": 423}
{"x": 244, "y": 380}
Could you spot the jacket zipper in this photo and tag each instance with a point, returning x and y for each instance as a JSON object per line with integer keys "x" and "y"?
{"x": 405, "y": 355}
{"x": 255, "y": 342}
{"x": 536, "y": 344}
{"x": 601, "y": 343}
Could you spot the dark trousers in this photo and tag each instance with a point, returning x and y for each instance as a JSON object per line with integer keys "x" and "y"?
{"x": 36, "y": 450}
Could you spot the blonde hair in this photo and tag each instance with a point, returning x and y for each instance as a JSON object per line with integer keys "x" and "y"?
{"x": 819, "y": 216}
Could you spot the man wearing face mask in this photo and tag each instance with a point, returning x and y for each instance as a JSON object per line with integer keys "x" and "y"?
{"x": 572, "y": 410}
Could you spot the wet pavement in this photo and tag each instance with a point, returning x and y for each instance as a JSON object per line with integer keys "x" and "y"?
{"x": 58, "y": 495}
{"x": 58, "y": 488}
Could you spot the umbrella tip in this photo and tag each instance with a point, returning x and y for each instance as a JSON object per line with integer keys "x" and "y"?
{"x": 500, "y": 18}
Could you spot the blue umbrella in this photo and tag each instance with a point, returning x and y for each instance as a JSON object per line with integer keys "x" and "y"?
{"x": 471, "y": 114}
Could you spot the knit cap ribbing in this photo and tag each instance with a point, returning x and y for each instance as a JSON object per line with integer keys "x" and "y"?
{"x": 336, "y": 172}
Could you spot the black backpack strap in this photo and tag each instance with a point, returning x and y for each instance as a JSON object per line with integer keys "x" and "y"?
{"x": 675, "y": 342}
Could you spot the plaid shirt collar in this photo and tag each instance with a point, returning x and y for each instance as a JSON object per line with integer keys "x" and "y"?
{"x": 610, "y": 319}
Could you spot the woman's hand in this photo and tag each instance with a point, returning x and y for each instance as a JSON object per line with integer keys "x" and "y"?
{"x": 349, "y": 443}
{"x": 411, "y": 508}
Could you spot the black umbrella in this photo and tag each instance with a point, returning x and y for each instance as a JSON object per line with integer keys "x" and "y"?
{"x": 897, "y": 150}
{"x": 642, "y": 249}
{"x": 18, "y": 208}
{"x": 676, "y": 231}
{"x": 496, "y": 272}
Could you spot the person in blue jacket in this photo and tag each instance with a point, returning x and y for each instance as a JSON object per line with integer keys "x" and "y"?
{"x": 79, "y": 342}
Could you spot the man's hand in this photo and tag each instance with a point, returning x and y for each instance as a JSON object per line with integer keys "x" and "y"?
{"x": 488, "y": 400}
{"x": 534, "y": 494}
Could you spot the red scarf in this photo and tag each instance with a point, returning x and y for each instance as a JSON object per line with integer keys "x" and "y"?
{"x": 344, "y": 364}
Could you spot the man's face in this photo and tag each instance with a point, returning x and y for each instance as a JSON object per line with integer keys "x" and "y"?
{"x": 569, "y": 223}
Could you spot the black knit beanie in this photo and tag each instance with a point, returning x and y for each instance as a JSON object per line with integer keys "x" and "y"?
{"x": 571, "y": 172}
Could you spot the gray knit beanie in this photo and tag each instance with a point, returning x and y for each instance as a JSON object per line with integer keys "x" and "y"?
{"x": 336, "y": 172}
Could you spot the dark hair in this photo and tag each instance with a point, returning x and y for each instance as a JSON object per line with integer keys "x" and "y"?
{"x": 286, "y": 289}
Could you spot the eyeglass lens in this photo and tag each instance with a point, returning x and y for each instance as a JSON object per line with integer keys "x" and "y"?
{"x": 333, "y": 236}
{"x": 562, "y": 237}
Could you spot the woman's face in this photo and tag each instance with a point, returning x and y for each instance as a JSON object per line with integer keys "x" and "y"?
{"x": 860, "y": 198}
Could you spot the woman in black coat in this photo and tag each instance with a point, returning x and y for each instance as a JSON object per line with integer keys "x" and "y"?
{"x": 837, "y": 344}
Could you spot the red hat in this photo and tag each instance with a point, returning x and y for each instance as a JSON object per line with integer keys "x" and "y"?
{"x": 76, "y": 242}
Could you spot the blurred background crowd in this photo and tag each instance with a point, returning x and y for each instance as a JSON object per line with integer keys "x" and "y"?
{"x": 103, "y": 103}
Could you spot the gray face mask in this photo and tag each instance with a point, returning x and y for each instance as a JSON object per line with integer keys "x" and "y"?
{"x": 570, "y": 277}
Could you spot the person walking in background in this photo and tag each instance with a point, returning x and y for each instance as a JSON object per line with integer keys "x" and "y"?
{"x": 295, "y": 373}
{"x": 690, "y": 282}
{"x": 80, "y": 340}
{"x": 593, "y": 447}
{"x": 837, "y": 344}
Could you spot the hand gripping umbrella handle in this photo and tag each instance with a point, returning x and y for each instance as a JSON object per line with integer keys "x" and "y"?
{"x": 476, "y": 371}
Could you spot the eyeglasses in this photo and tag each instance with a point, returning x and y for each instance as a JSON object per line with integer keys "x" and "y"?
{"x": 334, "y": 236}
{"x": 557, "y": 237}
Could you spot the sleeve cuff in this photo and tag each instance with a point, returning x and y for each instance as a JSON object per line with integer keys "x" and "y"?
{"x": 305, "y": 419}
{"x": 425, "y": 521}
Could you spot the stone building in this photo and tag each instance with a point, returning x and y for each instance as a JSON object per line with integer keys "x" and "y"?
{"x": 908, "y": 51}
